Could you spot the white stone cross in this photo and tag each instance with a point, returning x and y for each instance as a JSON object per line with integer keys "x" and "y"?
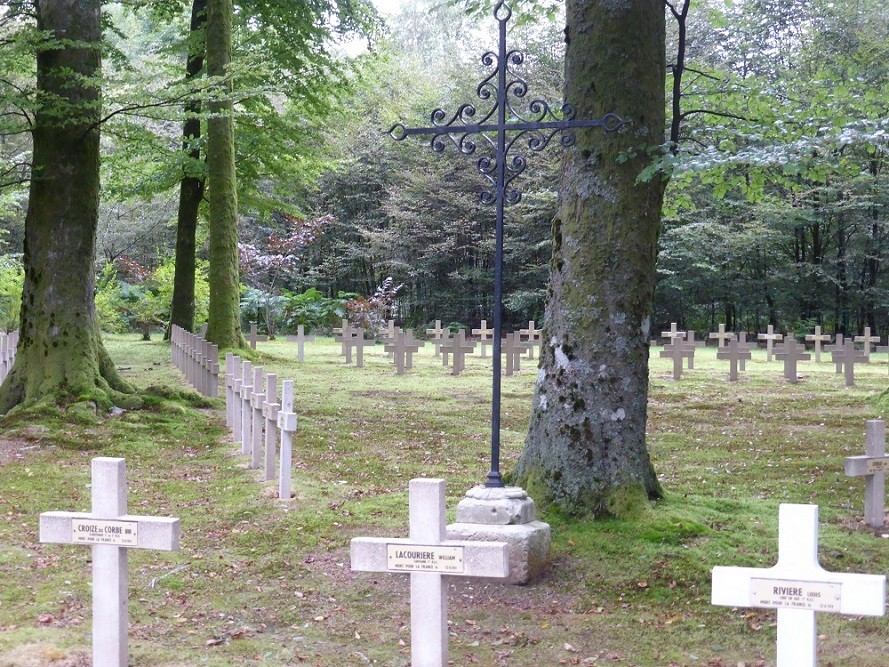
{"x": 770, "y": 337}
{"x": 791, "y": 353}
{"x": 111, "y": 532}
{"x": 485, "y": 336}
{"x": 270, "y": 408}
{"x": 676, "y": 352}
{"x": 722, "y": 336}
{"x": 673, "y": 333}
{"x": 797, "y": 586}
{"x": 301, "y": 340}
{"x": 257, "y": 421}
{"x": 287, "y": 425}
{"x": 427, "y": 555}
{"x": 533, "y": 337}
{"x": 735, "y": 354}
{"x": 359, "y": 341}
{"x": 403, "y": 346}
{"x": 873, "y": 467}
{"x": 847, "y": 358}
{"x": 867, "y": 339}
{"x": 512, "y": 346}
{"x": 438, "y": 334}
{"x": 818, "y": 338}
{"x": 459, "y": 347}
{"x": 229, "y": 385}
{"x": 689, "y": 345}
{"x": 254, "y": 336}
{"x": 246, "y": 410}
{"x": 237, "y": 382}
{"x": 346, "y": 339}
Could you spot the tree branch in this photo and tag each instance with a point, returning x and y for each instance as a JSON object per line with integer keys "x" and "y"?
{"x": 723, "y": 114}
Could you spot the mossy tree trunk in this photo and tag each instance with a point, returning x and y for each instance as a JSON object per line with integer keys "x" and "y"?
{"x": 191, "y": 188}
{"x": 224, "y": 326}
{"x": 60, "y": 356}
{"x": 585, "y": 450}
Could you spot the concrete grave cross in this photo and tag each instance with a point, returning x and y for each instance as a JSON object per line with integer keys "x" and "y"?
{"x": 237, "y": 382}
{"x": 246, "y": 408}
{"x": 744, "y": 346}
{"x": 513, "y": 347}
{"x": 790, "y": 354}
{"x": 287, "y": 421}
{"x": 689, "y": 345}
{"x": 346, "y": 338}
{"x": 722, "y": 336}
{"x": 673, "y": 333}
{"x": 676, "y": 352}
{"x": 485, "y": 336}
{"x": 770, "y": 337}
{"x": 867, "y": 339}
{"x": 798, "y": 587}
{"x": 359, "y": 341}
{"x": 873, "y": 467}
{"x": 533, "y": 337}
{"x": 846, "y": 359}
{"x": 257, "y": 421}
{"x": 818, "y": 338}
{"x": 427, "y": 555}
{"x": 111, "y": 532}
{"x": 301, "y": 339}
{"x": 229, "y": 384}
{"x": 439, "y": 335}
{"x": 836, "y": 347}
{"x": 735, "y": 354}
{"x": 270, "y": 407}
{"x": 403, "y": 347}
{"x": 255, "y": 337}
{"x": 459, "y": 347}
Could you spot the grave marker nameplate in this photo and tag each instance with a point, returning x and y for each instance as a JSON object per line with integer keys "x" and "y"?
{"x": 818, "y": 338}
{"x": 111, "y": 532}
{"x": 873, "y": 466}
{"x": 770, "y": 337}
{"x": 797, "y": 586}
{"x": 485, "y": 336}
{"x": 427, "y": 555}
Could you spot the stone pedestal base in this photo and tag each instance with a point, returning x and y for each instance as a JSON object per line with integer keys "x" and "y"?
{"x": 505, "y": 515}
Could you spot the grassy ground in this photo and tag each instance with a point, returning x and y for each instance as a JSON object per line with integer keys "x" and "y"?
{"x": 264, "y": 582}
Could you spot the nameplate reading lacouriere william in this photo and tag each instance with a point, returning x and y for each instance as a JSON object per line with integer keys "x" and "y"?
{"x": 98, "y": 531}
{"x": 786, "y": 594}
{"x": 419, "y": 558}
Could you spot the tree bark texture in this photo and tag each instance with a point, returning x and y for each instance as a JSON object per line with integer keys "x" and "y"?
{"x": 224, "y": 326}
{"x": 60, "y": 355}
{"x": 191, "y": 188}
{"x": 585, "y": 450}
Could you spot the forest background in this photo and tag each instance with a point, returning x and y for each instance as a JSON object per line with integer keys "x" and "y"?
{"x": 776, "y": 211}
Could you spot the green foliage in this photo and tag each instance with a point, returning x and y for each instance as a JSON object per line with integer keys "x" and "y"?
{"x": 313, "y": 310}
{"x": 12, "y": 278}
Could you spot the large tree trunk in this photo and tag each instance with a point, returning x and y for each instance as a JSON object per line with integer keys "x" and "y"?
{"x": 585, "y": 450}
{"x": 191, "y": 188}
{"x": 224, "y": 327}
{"x": 60, "y": 356}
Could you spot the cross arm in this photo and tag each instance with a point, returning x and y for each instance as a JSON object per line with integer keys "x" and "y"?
{"x": 480, "y": 559}
{"x": 857, "y": 466}
{"x": 154, "y": 532}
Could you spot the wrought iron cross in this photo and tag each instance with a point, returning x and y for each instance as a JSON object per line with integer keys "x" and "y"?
{"x": 498, "y": 129}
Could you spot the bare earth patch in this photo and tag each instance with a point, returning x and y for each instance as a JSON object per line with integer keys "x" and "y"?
{"x": 42, "y": 655}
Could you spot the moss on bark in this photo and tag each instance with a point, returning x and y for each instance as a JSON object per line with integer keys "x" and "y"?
{"x": 585, "y": 450}
{"x": 60, "y": 357}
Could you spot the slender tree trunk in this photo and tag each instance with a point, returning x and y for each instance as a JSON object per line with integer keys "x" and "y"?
{"x": 224, "y": 327}
{"x": 60, "y": 357}
{"x": 585, "y": 450}
{"x": 191, "y": 188}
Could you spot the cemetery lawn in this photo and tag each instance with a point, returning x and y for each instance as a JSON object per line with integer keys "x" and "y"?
{"x": 265, "y": 582}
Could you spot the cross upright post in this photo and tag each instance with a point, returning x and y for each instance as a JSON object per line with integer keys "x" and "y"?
{"x": 438, "y": 334}
{"x": 689, "y": 345}
{"x": 770, "y": 337}
{"x": 498, "y": 129}
{"x": 873, "y": 467}
{"x": 484, "y": 336}
{"x": 867, "y": 339}
{"x": 790, "y": 355}
{"x": 301, "y": 340}
{"x": 818, "y": 338}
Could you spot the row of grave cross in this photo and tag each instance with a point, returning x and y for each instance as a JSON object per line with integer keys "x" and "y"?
{"x": 797, "y": 586}
{"x": 9, "y": 342}
{"x": 197, "y": 359}
{"x": 736, "y": 350}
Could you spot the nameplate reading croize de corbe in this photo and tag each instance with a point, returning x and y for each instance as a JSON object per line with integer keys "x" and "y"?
{"x": 419, "y": 558}
{"x": 98, "y": 531}
{"x": 781, "y": 594}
